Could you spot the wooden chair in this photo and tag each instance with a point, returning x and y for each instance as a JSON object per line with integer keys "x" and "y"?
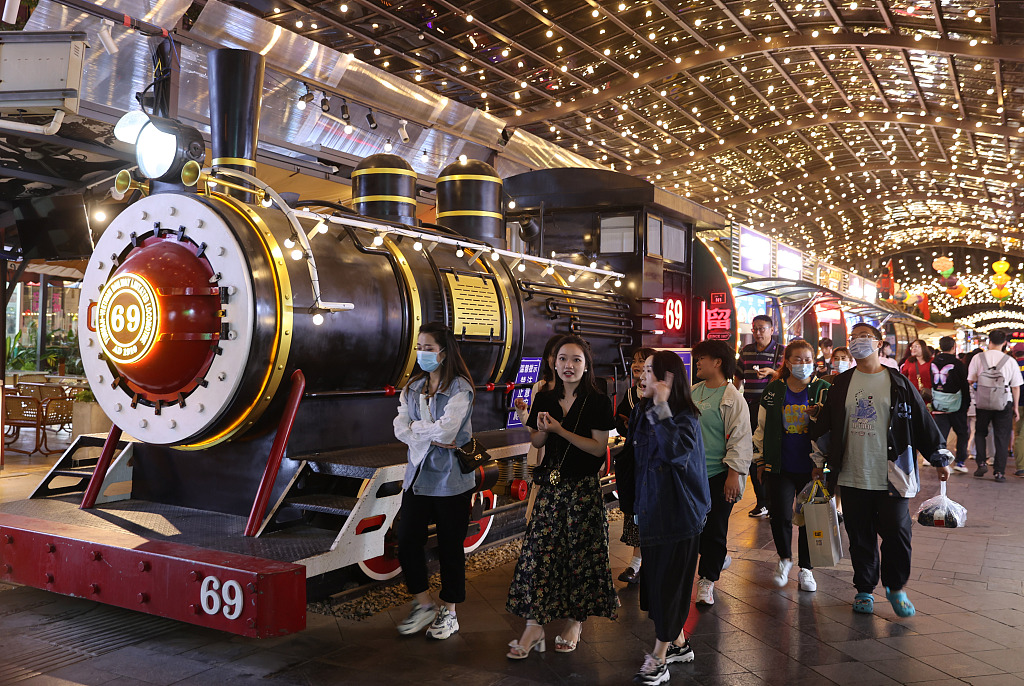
{"x": 24, "y": 412}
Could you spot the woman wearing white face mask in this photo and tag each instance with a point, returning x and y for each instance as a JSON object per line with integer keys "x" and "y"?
{"x": 433, "y": 418}
{"x": 782, "y": 447}
{"x": 842, "y": 361}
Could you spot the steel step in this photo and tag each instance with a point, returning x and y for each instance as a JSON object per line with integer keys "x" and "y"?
{"x": 325, "y": 503}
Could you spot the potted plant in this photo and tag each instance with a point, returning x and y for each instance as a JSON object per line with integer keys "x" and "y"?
{"x": 89, "y": 417}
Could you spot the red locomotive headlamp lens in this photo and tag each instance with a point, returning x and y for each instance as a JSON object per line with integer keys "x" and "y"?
{"x": 158, "y": 318}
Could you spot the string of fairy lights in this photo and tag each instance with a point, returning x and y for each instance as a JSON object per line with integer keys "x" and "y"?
{"x": 815, "y": 143}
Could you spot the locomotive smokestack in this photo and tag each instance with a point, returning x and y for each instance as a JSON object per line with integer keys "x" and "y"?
{"x": 236, "y": 95}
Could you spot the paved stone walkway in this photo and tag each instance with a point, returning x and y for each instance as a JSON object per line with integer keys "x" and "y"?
{"x": 966, "y": 584}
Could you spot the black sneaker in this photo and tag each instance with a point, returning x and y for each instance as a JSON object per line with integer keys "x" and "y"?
{"x": 683, "y": 653}
{"x": 759, "y": 511}
{"x": 653, "y": 672}
{"x": 981, "y": 471}
{"x": 630, "y": 575}
{"x": 999, "y": 477}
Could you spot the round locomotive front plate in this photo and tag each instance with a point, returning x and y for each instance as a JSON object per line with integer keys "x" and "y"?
{"x": 127, "y": 316}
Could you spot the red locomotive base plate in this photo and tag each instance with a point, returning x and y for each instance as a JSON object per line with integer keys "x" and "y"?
{"x": 244, "y": 595}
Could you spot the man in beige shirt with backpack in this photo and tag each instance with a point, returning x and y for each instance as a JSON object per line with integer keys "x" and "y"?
{"x": 997, "y": 382}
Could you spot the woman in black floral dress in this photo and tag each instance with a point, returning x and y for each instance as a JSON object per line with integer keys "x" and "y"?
{"x": 564, "y": 569}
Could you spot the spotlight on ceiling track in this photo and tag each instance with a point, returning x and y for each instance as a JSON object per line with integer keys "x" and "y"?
{"x": 403, "y": 131}
{"x": 11, "y": 8}
{"x": 109, "y": 46}
{"x": 370, "y": 120}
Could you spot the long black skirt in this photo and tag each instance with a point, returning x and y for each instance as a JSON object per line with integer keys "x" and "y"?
{"x": 666, "y": 584}
{"x": 564, "y": 570}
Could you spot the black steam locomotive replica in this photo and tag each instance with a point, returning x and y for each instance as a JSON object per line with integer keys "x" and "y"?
{"x": 224, "y": 330}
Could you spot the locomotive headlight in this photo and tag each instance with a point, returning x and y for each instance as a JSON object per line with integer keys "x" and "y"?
{"x": 162, "y": 146}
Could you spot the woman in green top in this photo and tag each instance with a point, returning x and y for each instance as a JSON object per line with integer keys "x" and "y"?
{"x": 782, "y": 442}
{"x": 725, "y": 428}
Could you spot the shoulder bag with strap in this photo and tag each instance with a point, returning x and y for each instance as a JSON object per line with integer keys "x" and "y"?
{"x": 944, "y": 401}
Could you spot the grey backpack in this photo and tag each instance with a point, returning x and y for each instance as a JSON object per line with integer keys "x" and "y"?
{"x": 991, "y": 390}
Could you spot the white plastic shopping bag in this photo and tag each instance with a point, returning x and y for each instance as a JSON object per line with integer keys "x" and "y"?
{"x": 822, "y": 523}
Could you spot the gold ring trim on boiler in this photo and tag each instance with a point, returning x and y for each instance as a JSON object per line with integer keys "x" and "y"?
{"x": 237, "y": 161}
{"x": 282, "y": 334}
{"x": 384, "y": 198}
{"x": 507, "y": 352}
{"x": 470, "y": 177}
{"x": 385, "y": 170}
{"x": 417, "y": 309}
{"x": 470, "y": 213}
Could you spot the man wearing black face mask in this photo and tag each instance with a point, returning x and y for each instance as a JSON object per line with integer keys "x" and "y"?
{"x": 873, "y": 423}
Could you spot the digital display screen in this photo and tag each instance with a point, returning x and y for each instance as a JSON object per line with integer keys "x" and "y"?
{"x": 755, "y": 253}
{"x": 52, "y": 228}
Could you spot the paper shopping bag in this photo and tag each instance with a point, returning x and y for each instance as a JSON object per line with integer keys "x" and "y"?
{"x": 824, "y": 541}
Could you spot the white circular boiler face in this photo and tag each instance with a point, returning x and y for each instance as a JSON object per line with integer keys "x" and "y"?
{"x": 121, "y": 319}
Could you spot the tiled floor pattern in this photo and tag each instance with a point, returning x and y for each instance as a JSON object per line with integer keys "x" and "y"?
{"x": 967, "y": 585}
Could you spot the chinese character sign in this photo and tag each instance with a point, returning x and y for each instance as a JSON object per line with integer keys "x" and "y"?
{"x": 718, "y": 323}
{"x": 529, "y": 372}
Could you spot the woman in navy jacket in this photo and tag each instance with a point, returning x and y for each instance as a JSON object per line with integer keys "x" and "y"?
{"x": 672, "y": 502}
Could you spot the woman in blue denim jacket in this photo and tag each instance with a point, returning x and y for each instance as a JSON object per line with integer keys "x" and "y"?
{"x": 433, "y": 419}
{"x": 672, "y": 502}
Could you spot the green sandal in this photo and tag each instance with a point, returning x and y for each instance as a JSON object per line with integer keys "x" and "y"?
{"x": 900, "y": 604}
{"x": 864, "y": 603}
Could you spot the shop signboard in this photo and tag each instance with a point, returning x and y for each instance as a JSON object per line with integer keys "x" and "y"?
{"x": 789, "y": 262}
{"x": 529, "y": 372}
{"x": 829, "y": 276}
{"x": 749, "y": 306}
{"x": 755, "y": 253}
{"x": 856, "y": 287}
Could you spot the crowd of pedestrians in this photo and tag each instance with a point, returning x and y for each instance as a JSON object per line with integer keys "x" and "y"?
{"x": 846, "y": 415}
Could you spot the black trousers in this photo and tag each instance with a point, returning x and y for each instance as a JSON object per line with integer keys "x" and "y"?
{"x": 760, "y": 489}
{"x": 1002, "y": 428}
{"x": 783, "y": 488}
{"x": 666, "y": 584}
{"x": 958, "y": 422}
{"x": 869, "y": 515}
{"x": 451, "y": 515}
{"x": 716, "y": 531}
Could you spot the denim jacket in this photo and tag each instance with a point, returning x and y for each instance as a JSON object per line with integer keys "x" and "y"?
{"x": 672, "y": 495}
{"x": 445, "y": 418}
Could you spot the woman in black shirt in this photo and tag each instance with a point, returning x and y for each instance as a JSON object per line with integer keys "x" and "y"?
{"x": 563, "y": 570}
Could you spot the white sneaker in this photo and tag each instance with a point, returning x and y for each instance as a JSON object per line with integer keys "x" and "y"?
{"x": 418, "y": 619}
{"x": 781, "y": 577}
{"x": 444, "y": 625}
{"x": 705, "y": 591}
{"x": 807, "y": 582}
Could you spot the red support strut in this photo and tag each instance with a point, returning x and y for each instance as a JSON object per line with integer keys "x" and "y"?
{"x": 100, "y": 473}
{"x": 284, "y": 430}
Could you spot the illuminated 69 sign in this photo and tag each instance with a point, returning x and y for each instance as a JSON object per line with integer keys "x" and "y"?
{"x": 126, "y": 318}
{"x": 673, "y": 314}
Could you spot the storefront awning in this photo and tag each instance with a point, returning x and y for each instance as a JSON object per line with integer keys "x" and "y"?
{"x": 796, "y": 292}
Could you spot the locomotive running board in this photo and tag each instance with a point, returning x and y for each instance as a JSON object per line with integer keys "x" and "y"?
{"x": 240, "y": 594}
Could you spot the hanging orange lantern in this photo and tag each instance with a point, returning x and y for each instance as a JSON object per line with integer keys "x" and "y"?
{"x": 943, "y": 265}
{"x": 1001, "y": 267}
{"x": 1000, "y": 294}
{"x": 1000, "y": 280}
